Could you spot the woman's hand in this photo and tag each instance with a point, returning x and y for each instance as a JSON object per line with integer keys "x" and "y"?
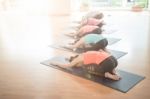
{"x": 112, "y": 76}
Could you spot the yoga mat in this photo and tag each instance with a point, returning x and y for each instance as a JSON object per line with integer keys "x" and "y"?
{"x": 115, "y": 53}
{"x": 127, "y": 81}
{"x": 110, "y": 40}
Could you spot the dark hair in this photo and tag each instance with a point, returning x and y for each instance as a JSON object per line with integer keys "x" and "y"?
{"x": 99, "y": 16}
{"x": 100, "y": 24}
{"x": 108, "y": 65}
{"x": 97, "y": 46}
{"x": 97, "y": 31}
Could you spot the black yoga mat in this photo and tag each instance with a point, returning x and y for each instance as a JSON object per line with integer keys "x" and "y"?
{"x": 110, "y": 40}
{"x": 127, "y": 81}
{"x": 115, "y": 53}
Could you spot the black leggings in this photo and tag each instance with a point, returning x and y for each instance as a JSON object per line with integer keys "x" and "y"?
{"x": 105, "y": 66}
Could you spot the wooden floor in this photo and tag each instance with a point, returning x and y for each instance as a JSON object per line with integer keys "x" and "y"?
{"x": 24, "y": 40}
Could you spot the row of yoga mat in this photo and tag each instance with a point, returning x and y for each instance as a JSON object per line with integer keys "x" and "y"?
{"x": 128, "y": 81}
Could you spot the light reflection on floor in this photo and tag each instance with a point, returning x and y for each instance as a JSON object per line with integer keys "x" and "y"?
{"x": 24, "y": 28}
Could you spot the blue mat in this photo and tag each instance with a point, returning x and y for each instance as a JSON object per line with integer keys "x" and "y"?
{"x": 116, "y": 54}
{"x": 128, "y": 81}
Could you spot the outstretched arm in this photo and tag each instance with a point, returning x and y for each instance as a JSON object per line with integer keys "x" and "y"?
{"x": 78, "y": 60}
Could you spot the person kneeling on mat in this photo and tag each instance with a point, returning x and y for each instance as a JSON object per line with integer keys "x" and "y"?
{"x": 98, "y": 63}
{"x": 91, "y": 21}
{"x": 92, "y": 14}
{"x": 87, "y": 29}
{"x": 90, "y": 42}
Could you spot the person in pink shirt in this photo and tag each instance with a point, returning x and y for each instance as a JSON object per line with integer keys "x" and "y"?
{"x": 91, "y": 21}
{"x": 87, "y": 29}
{"x": 99, "y": 63}
{"x": 92, "y": 14}
{"x": 95, "y": 19}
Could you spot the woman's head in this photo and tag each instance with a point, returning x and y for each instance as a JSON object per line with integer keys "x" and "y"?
{"x": 100, "y": 24}
{"x": 102, "y": 44}
{"x": 99, "y": 16}
{"x": 108, "y": 65}
{"x": 97, "y": 31}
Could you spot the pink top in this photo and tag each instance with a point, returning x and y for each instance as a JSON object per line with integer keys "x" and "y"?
{"x": 95, "y": 57}
{"x": 87, "y": 28}
{"x": 92, "y": 21}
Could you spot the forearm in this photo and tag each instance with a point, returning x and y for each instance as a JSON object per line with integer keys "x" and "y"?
{"x": 77, "y": 62}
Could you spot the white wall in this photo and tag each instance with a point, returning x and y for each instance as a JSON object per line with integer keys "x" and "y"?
{"x": 37, "y": 6}
{"x": 59, "y": 7}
